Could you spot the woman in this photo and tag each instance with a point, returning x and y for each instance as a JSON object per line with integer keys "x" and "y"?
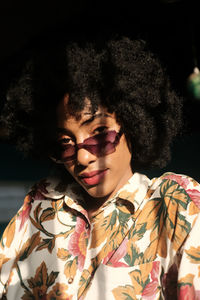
{"x": 97, "y": 228}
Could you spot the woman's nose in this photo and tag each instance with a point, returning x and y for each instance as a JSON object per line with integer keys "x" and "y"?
{"x": 84, "y": 157}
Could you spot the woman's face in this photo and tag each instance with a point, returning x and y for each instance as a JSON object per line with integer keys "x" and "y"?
{"x": 100, "y": 175}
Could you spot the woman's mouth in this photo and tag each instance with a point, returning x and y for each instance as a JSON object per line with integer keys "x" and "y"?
{"x": 94, "y": 177}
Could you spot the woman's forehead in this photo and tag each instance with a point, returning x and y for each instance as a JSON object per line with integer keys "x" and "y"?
{"x": 88, "y": 112}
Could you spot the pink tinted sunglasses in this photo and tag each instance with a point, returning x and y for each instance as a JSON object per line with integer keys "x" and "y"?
{"x": 100, "y": 144}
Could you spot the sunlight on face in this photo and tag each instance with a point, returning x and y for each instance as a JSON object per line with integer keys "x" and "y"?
{"x": 100, "y": 175}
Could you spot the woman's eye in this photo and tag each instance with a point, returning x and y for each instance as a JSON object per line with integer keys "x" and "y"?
{"x": 100, "y": 129}
{"x": 65, "y": 141}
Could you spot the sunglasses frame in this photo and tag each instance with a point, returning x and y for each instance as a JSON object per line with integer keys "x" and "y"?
{"x": 88, "y": 147}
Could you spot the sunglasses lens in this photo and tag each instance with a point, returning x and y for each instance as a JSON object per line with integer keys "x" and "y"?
{"x": 68, "y": 153}
{"x": 99, "y": 145}
{"x": 101, "y": 149}
{"x": 101, "y": 138}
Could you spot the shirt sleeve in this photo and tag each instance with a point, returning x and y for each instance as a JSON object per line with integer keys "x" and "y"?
{"x": 189, "y": 268}
{"x": 182, "y": 279}
{"x": 10, "y": 243}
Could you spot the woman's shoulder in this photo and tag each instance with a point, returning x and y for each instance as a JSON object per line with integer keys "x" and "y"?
{"x": 180, "y": 188}
{"x": 40, "y": 196}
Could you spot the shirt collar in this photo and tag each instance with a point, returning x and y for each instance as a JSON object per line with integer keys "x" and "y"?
{"x": 49, "y": 188}
{"x": 133, "y": 191}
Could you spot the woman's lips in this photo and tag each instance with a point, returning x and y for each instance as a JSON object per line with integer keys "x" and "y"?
{"x": 94, "y": 177}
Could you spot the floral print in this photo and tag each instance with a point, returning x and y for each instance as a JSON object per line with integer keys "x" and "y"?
{"x": 151, "y": 289}
{"x": 169, "y": 282}
{"x": 141, "y": 244}
{"x": 38, "y": 286}
{"x": 78, "y": 242}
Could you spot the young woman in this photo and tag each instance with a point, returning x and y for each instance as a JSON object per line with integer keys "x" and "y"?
{"x": 97, "y": 228}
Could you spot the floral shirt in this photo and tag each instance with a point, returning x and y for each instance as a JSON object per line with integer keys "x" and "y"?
{"x": 142, "y": 244}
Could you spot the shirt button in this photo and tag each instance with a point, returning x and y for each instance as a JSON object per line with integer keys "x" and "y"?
{"x": 87, "y": 226}
{"x": 70, "y": 280}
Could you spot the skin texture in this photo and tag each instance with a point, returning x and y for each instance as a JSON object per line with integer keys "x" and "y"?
{"x": 115, "y": 167}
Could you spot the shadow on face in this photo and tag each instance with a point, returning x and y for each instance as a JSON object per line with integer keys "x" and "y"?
{"x": 93, "y": 150}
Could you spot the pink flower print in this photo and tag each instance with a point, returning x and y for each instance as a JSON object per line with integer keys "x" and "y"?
{"x": 187, "y": 292}
{"x": 38, "y": 195}
{"x": 42, "y": 185}
{"x": 113, "y": 257}
{"x": 183, "y": 181}
{"x": 197, "y": 295}
{"x": 150, "y": 290}
{"x": 24, "y": 214}
{"x": 155, "y": 270}
{"x": 39, "y": 190}
{"x": 195, "y": 196}
{"x": 78, "y": 242}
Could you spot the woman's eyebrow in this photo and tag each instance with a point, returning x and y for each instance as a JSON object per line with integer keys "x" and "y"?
{"x": 62, "y": 131}
{"x": 93, "y": 117}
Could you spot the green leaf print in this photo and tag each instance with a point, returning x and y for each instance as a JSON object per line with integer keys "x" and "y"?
{"x": 112, "y": 219}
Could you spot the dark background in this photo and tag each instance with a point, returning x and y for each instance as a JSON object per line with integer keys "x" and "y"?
{"x": 171, "y": 27}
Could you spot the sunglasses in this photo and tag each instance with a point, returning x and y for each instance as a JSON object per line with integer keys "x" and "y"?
{"x": 100, "y": 144}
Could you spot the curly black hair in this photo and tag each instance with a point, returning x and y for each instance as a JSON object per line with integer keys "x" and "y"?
{"x": 120, "y": 73}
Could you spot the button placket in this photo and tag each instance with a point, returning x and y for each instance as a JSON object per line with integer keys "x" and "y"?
{"x": 70, "y": 280}
{"x": 87, "y": 226}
